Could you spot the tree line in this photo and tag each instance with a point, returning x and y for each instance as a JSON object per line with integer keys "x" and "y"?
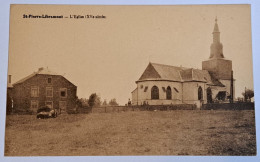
{"x": 94, "y": 100}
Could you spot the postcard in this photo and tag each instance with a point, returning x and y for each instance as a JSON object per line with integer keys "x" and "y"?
{"x": 96, "y": 80}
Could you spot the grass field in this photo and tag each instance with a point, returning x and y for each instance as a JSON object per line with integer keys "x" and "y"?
{"x": 180, "y": 132}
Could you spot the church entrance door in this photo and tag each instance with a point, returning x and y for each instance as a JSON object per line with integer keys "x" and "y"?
{"x": 209, "y": 95}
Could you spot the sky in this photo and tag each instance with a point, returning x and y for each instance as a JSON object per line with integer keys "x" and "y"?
{"x": 106, "y": 56}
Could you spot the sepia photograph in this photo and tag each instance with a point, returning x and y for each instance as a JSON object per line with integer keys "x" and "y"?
{"x": 97, "y": 80}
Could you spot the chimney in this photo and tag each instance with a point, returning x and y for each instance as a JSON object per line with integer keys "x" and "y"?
{"x": 10, "y": 79}
{"x": 40, "y": 69}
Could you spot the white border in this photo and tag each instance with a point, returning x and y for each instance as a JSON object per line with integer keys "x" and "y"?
{"x": 4, "y": 38}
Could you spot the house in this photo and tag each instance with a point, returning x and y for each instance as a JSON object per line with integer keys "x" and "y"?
{"x": 9, "y": 97}
{"x": 44, "y": 88}
{"x": 164, "y": 84}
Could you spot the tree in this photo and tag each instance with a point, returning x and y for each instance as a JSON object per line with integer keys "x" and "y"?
{"x": 78, "y": 102}
{"x": 83, "y": 102}
{"x": 104, "y": 103}
{"x": 98, "y": 102}
{"x": 248, "y": 94}
{"x": 113, "y": 102}
{"x": 94, "y": 100}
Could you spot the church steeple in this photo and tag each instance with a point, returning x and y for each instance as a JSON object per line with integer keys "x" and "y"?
{"x": 216, "y": 33}
{"x": 218, "y": 67}
{"x": 216, "y": 48}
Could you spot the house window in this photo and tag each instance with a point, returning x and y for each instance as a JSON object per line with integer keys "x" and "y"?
{"x": 168, "y": 93}
{"x": 49, "y": 92}
{"x": 34, "y": 91}
{"x": 155, "y": 92}
{"x": 63, "y": 92}
{"x": 34, "y": 104}
{"x": 49, "y": 80}
{"x": 49, "y": 104}
{"x": 200, "y": 93}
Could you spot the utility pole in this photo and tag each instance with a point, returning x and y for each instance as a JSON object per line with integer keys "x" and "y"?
{"x": 231, "y": 88}
{"x": 245, "y": 95}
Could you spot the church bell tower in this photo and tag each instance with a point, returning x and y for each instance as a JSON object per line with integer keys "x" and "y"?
{"x": 217, "y": 65}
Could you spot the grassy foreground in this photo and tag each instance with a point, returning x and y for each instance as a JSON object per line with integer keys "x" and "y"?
{"x": 180, "y": 132}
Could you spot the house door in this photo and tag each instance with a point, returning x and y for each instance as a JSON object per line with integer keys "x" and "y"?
{"x": 62, "y": 106}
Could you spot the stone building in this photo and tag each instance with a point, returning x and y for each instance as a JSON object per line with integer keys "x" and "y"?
{"x": 44, "y": 88}
{"x": 164, "y": 84}
{"x": 9, "y": 96}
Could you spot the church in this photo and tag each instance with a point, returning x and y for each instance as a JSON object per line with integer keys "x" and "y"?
{"x": 165, "y": 85}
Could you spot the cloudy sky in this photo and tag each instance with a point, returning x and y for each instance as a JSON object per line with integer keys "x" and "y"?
{"x": 108, "y": 55}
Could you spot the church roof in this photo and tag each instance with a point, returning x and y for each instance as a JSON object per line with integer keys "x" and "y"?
{"x": 160, "y": 71}
{"x": 156, "y": 71}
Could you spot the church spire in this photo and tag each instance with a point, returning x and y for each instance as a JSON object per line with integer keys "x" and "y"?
{"x": 216, "y": 30}
{"x": 216, "y": 48}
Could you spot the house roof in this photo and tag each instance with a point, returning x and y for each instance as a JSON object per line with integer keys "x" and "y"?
{"x": 156, "y": 71}
{"x": 9, "y": 85}
{"x": 26, "y": 78}
{"x": 42, "y": 71}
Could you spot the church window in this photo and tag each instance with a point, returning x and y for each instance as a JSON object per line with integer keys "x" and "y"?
{"x": 155, "y": 92}
{"x": 145, "y": 89}
{"x": 200, "y": 93}
{"x": 176, "y": 90}
{"x": 168, "y": 93}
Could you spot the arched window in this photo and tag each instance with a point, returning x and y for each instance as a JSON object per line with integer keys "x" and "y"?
{"x": 200, "y": 93}
{"x": 155, "y": 92}
{"x": 168, "y": 93}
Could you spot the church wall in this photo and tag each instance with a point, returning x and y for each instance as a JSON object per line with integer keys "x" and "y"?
{"x": 227, "y": 83}
{"x": 146, "y": 96}
{"x": 134, "y": 97}
{"x": 221, "y": 68}
{"x": 190, "y": 93}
